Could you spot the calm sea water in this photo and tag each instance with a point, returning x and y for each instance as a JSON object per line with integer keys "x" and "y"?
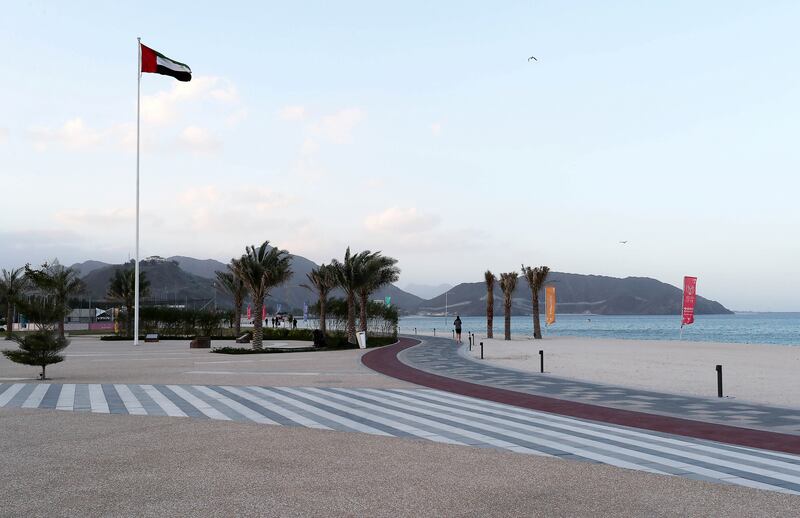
{"x": 756, "y": 328}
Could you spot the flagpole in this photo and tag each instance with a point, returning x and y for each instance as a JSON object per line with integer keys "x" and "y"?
{"x": 136, "y": 269}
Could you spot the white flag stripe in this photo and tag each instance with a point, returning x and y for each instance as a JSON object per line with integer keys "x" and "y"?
{"x": 164, "y": 62}
{"x": 234, "y": 405}
{"x": 66, "y": 399}
{"x": 35, "y": 397}
{"x": 198, "y": 403}
{"x": 159, "y": 399}
{"x": 132, "y": 404}
{"x": 10, "y": 392}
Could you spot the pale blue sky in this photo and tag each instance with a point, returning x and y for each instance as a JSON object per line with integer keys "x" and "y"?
{"x": 417, "y": 129}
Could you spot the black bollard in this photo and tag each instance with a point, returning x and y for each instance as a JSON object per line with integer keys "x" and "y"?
{"x": 454, "y": 334}
{"x": 541, "y": 361}
{"x": 434, "y": 331}
{"x": 415, "y": 330}
{"x": 481, "y": 350}
{"x": 470, "y": 341}
{"x": 719, "y": 380}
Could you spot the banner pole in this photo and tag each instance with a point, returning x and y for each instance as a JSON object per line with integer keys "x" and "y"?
{"x": 683, "y": 298}
{"x": 136, "y": 269}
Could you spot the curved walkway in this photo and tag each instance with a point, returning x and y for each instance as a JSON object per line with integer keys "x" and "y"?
{"x": 436, "y": 363}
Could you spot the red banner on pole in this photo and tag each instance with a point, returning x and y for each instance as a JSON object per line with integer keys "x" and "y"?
{"x": 249, "y": 310}
{"x": 689, "y": 299}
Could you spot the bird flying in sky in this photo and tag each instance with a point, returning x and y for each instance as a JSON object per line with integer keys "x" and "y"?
{"x": 532, "y": 58}
{"x": 624, "y": 242}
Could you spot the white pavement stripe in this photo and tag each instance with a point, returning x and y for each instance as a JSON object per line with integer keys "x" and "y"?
{"x": 66, "y": 399}
{"x": 234, "y": 405}
{"x": 326, "y": 396}
{"x": 133, "y": 405}
{"x": 289, "y": 414}
{"x": 436, "y": 425}
{"x": 10, "y": 392}
{"x": 35, "y": 398}
{"x": 344, "y": 421}
{"x": 626, "y": 435}
{"x": 604, "y": 457}
{"x": 265, "y": 404}
{"x": 97, "y": 400}
{"x": 198, "y": 403}
{"x": 161, "y": 400}
{"x": 685, "y": 463}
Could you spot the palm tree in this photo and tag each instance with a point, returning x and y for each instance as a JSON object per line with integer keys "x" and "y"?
{"x": 323, "y": 281}
{"x": 122, "y": 289}
{"x": 13, "y": 285}
{"x": 490, "y": 279}
{"x": 262, "y": 269}
{"x": 379, "y": 270}
{"x": 58, "y": 282}
{"x": 233, "y": 285}
{"x": 350, "y": 276}
{"x": 536, "y": 278}
{"x": 508, "y": 282}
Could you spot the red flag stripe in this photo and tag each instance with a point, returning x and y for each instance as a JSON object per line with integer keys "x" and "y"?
{"x": 149, "y": 61}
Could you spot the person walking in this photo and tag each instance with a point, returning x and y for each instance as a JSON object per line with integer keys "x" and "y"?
{"x": 457, "y": 324}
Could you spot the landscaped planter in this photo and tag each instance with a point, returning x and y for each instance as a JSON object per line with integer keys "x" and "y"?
{"x": 201, "y": 342}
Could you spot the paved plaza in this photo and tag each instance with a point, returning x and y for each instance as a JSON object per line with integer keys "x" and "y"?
{"x": 426, "y": 414}
{"x": 161, "y": 429}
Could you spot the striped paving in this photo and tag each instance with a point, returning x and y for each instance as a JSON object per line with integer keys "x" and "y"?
{"x": 427, "y": 414}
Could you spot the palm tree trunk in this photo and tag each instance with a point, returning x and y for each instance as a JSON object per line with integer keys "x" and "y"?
{"x": 507, "y": 318}
{"x": 351, "y": 317}
{"x": 129, "y": 320}
{"x": 237, "y": 314}
{"x": 258, "y": 332}
{"x": 537, "y": 326}
{"x": 322, "y": 328}
{"x": 490, "y": 315}
{"x": 364, "y": 296}
{"x": 9, "y": 319}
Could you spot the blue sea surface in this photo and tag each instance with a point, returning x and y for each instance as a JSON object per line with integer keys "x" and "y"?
{"x": 747, "y": 328}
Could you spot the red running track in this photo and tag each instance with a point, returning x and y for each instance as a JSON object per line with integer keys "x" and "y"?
{"x": 385, "y": 361}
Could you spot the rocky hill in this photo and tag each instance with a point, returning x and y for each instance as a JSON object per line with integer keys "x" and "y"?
{"x": 186, "y": 280}
{"x": 576, "y": 293}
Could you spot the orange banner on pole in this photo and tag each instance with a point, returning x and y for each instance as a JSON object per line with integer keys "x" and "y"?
{"x": 550, "y": 304}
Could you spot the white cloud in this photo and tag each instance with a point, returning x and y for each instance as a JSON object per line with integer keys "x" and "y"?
{"x": 436, "y": 129}
{"x": 199, "y": 140}
{"x": 236, "y": 117}
{"x": 401, "y": 220}
{"x": 73, "y": 134}
{"x": 292, "y": 113}
{"x": 338, "y": 127}
{"x": 162, "y": 107}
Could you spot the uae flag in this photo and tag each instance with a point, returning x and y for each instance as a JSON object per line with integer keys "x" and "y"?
{"x": 157, "y": 63}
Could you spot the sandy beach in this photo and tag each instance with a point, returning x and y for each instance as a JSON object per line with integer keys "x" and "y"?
{"x": 766, "y": 374}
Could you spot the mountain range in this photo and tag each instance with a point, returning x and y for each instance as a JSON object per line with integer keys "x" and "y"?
{"x": 181, "y": 280}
